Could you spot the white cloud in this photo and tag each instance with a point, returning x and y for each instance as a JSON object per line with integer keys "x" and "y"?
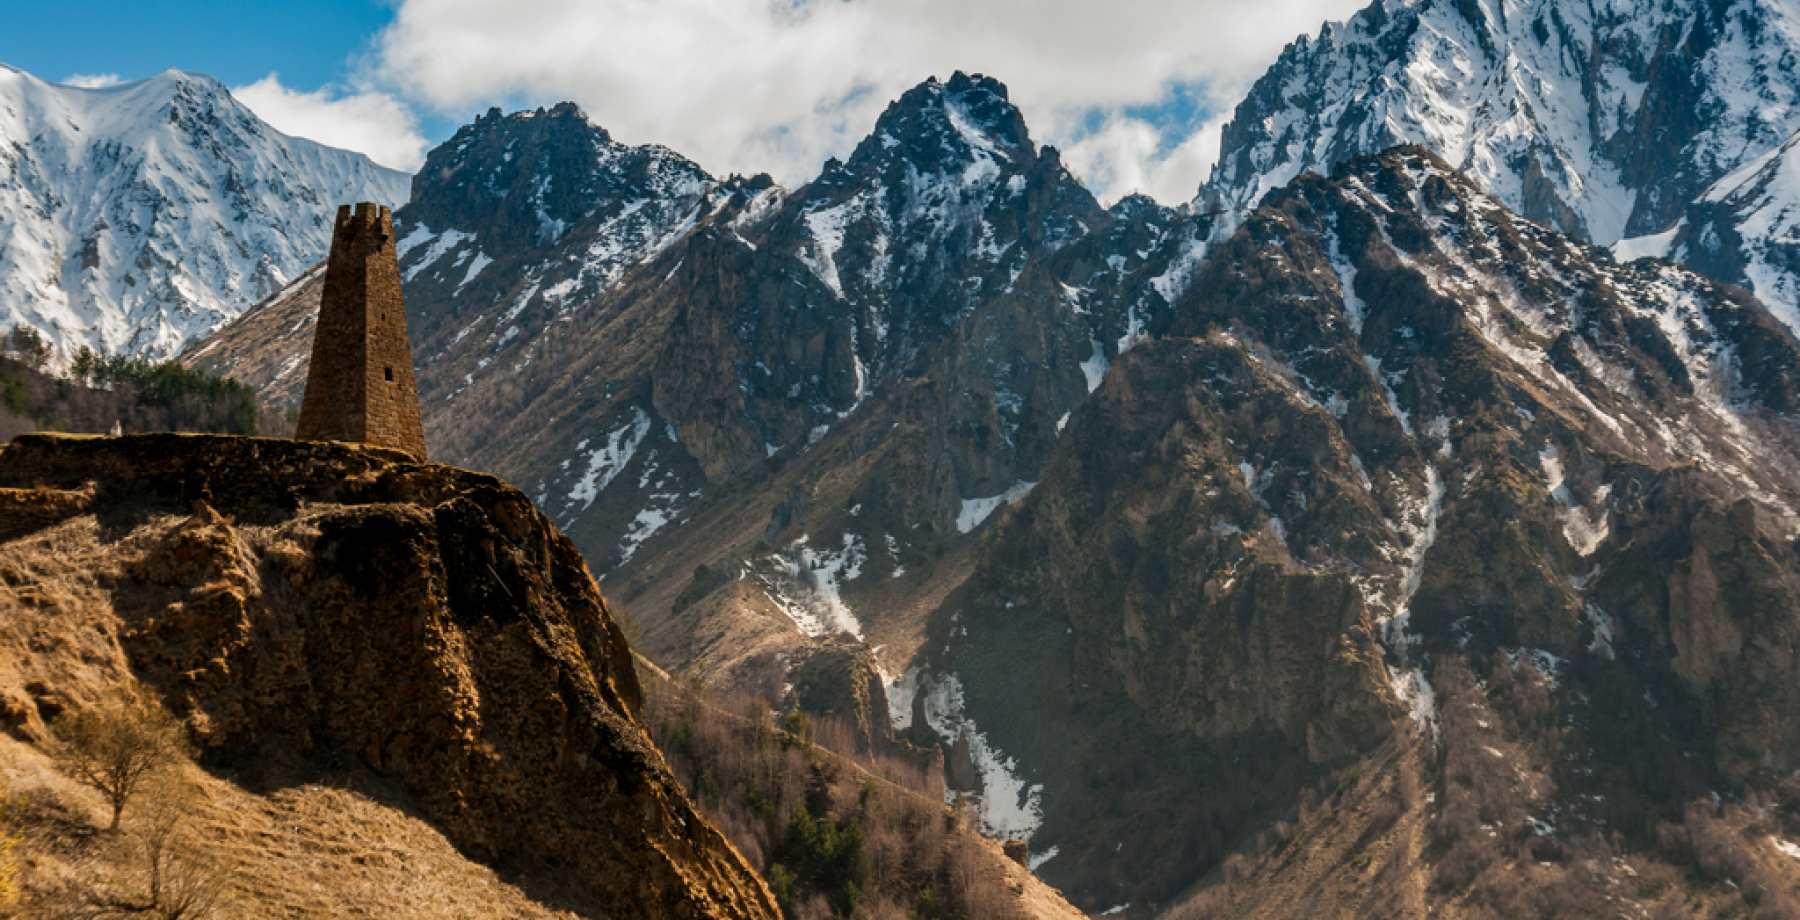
{"x": 372, "y": 123}
{"x": 778, "y": 85}
{"x": 1126, "y": 155}
{"x": 92, "y": 80}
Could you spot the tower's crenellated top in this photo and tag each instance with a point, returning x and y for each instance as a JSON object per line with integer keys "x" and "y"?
{"x": 360, "y": 222}
{"x": 360, "y": 386}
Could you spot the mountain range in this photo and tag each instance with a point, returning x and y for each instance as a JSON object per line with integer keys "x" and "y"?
{"x": 1621, "y": 122}
{"x": 1408, "y": 524}
{"x": 137, "y": 218}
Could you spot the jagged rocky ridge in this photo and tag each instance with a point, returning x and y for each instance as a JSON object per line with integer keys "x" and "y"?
{"x": 947, "y": 249}
{"x": 1395, "y": 430}
{"x": 1746, "y": 230}
{"x": 137, "y": 218}
{"x": 1604, "y": 119}
{"x": 890, "y": 354}
{"x": 323, "y": 613}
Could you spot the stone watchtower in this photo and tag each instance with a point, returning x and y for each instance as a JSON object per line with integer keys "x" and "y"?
{"x": 360, "y": 387}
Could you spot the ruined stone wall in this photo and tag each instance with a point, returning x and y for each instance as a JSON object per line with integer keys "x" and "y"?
{"x": 361, "y": 386}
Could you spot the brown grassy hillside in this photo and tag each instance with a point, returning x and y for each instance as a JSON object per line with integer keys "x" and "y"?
{"x": 405, "y": 695}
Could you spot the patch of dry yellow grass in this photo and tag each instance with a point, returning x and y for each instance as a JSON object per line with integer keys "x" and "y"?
{"x": 300, "y": 851}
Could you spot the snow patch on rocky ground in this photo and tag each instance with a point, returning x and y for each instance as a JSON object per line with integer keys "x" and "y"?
{"x": 606, "y": 461}
{"x": 1605, "y": 631}
{"x": 663, "y": 503}
{"x": 1786, "y": 847}
{"x": 1547, "y": 665}
{"x": 1652, "y": 246}
{"x": 1174, "y": 280}
{"x": 1408, "y": 681}
{"x": 976, "y": 510}
{"x": 807, "y": 583}
{"x": 1416, "y": 694}
{"x": 1009, "y": 807}
{"x": 1585, "y": 529}
{"x": 476, "y": 265}
{"x": 900, "y": 691}
{"x": 1354, "y": 309}
{"x": 827, "y": 229}
{"x": 440, "y": 245}
{"x": 1094, "y": 368}
{"x": 1420, "y": 536}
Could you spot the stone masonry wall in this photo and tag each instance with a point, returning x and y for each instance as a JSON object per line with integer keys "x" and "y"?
{"x": 361, "y": 387}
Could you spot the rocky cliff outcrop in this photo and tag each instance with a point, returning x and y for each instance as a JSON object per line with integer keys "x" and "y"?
{"x": 1157, "y": 527}
{"x": 1399, "y": 448}
{"x": 321, "y": 607}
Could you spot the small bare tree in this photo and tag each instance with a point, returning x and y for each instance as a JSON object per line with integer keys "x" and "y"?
{"x": 178, "y": 882}
{"x": 183, "y": 885}
{"x": 115, "y": 746}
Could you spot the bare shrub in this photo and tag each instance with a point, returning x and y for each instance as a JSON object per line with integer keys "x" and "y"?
{"x": 1206, "y": 904}
{"x": 173, "y": 879}
{"x": 1716, "y": 843}
{"x": 883, "y": 909}
{"x": 116, "y": 746}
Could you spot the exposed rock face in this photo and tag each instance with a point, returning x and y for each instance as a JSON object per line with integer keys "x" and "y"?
{"x": 1384, "y": 439}
{"x": 841, "y": 679}
{"x": 1394, "y": 430}
{"x": 306, "y": 605}
{"x": 1746, "y": 230}
{"x": 1665, "y": 127}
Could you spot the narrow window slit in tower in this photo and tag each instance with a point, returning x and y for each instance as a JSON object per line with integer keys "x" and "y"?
{"x": 390, "y": 373}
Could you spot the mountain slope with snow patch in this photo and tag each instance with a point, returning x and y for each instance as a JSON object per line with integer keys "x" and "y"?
{"x": 136, "y": 218}
{"x": 1603, "y": 118}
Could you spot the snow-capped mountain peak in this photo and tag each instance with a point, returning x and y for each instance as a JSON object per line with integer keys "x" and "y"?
{"x": 938, "y": 209}
{"x": 554, "y": 201}
{"x": 542, "y": 171}
{"x": 137, "y": 217}
{"x": 1603, "y": 119}
{"x": 948, "y": 126}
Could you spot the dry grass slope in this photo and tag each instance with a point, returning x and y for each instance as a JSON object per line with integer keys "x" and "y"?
{"x": 219, "y": 613}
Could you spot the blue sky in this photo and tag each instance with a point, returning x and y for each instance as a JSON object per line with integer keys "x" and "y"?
{"x": 1134, "y": 92}
{"x": 309, "y": 43}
